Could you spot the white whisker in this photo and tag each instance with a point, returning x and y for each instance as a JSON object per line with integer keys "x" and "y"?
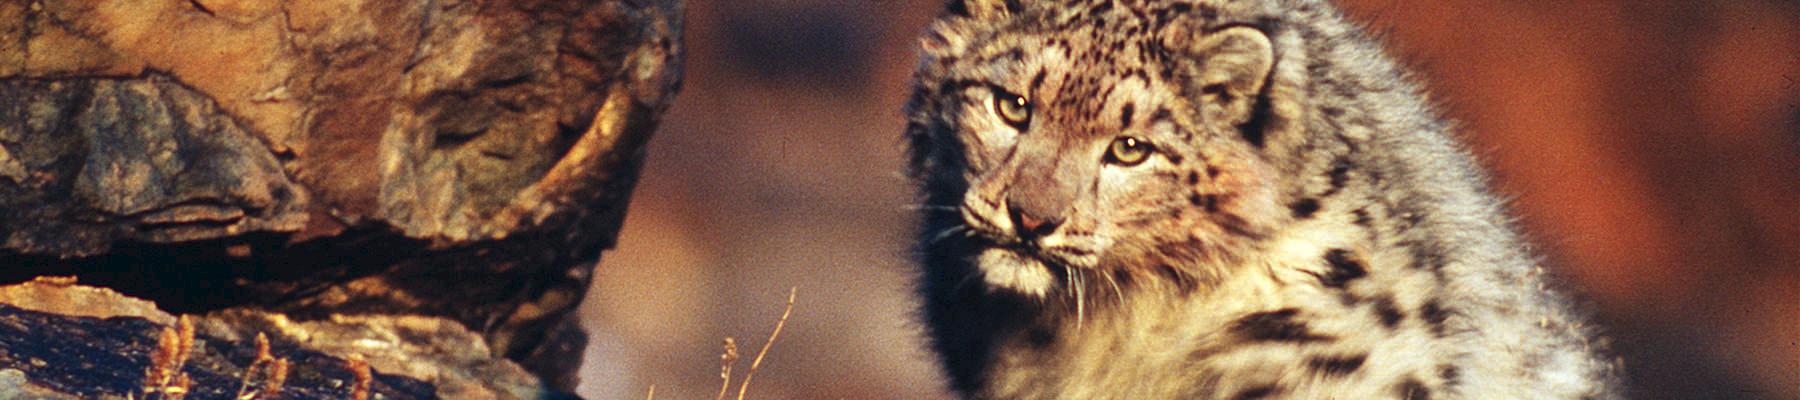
{"x": 946, "y": 233}
{"x": 1069, "y": 286}
{"x": 1118, "y": 295}
{"x": 972, "y": 276}
{"x": 1080, "y": 299}
{"x": 930, "y": 207}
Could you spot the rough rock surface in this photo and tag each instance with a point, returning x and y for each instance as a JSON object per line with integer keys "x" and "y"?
{"x": 72, "y": 341}
{"x": 459, "y": 159}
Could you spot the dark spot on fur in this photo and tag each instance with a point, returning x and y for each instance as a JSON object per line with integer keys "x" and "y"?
{"x": 1339, "y": 176}
{"x": 1015, "y": 54}
{"x": 1389, "y": 313}
{"x": 1040, "y": 337}
{"x": 1411, "y": 389}
{"x": 1255, "y": 129}
{"x": 1233, "y": 224}
{"x": 1434, "y": 315}
{"x": 1276, "y": 326}
{"x": 1217, "y": 89}
{"x": 1257, "y": 392}
{"x": 1161, "y": 114}
{"x": 1413, "y": 218}
{"x": 1304, "y": 208}
{"x": 1205, "y": 201}
{"x": 936, "y": 37}
{"x": 958, "y": 8}
{"x": 1449, "y": 373}
{"x": 1337, "y": 366}
{"x": 1100, "y": 8}
{"x": 1036, "y": 81}
{"x": 1427, "y": 257}
{"x": 1193, "y": 178}
{"x": 1125, "y": 115}
{"x": 1361, "y": 217}
{"x": 1212, "y": 170}
{"x": 1332, "y": 111}
{"x": 1344, "y": 269}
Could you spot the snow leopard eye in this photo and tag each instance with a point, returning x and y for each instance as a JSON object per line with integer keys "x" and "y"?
{"x": 1012, "y": 108}
{"x": 1128, "y": 151}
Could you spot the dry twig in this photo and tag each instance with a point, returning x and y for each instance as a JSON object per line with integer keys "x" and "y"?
{"x": 757, "y": 362}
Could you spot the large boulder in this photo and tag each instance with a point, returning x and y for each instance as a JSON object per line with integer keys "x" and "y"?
{"x": 323, "y": 161}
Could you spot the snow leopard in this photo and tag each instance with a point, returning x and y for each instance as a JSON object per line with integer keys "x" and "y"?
{"x": 1214, "y": 199}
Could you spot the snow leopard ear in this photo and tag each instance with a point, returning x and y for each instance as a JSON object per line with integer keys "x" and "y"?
{"x": 985, "y": 9}
{"x": 966, "y": 20}
{"x": 1231, "y": 69}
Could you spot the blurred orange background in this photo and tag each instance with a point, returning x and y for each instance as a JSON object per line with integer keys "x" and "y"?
{"x": 1651, "y": 149}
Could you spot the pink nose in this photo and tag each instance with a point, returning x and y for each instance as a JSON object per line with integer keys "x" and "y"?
{"x": 1027, "y": 222}
{"x": 1028, "y": 226}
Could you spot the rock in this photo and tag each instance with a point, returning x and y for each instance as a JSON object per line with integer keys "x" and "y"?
{"x": 103, "y": 348}
{"x": 458, "y": 159}
{"x": 141, "y": 159}
{"x": 60, "y": 295}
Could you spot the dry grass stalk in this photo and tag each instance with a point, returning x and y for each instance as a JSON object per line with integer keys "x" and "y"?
{"x": 178, "y": 389}
{"x": 652, "y": 395}
{"x": 157, "y": 374}
{"x": 277, "y": 377}
{"x": 164, "y": 379}
{"x": 757, "y": 362}
{"x": 273, "y": 370}
{"x": 726, "y": 360}
{"x": 359, "y": 387}
{"x": 244, "y": 391}
{"x": 185, "y": 326}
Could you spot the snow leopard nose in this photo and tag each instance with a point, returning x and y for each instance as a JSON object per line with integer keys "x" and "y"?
{"x": 1029, "y": 227}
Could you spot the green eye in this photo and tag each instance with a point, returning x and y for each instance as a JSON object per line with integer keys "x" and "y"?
{"x": 1013, "y": 109}
{"x": 1128, "y": 151}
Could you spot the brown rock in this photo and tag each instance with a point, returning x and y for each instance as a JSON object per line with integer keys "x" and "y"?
{"x": 60, "y": 295}
{"x": 459, "y": 159}
{"x": 73, "y": 341}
